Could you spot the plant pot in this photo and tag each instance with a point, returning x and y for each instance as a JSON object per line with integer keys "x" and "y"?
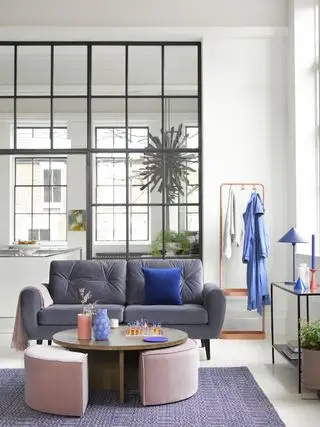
{"x": 311, "y": 368}
{"x": 101, "y": 328}
{"x": 84, "y": 326}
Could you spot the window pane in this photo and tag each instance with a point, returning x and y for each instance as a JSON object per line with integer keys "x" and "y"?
{"x": 108, "y": 70}
{"x": 33, "y": 70}
{"x": 47, "y": 194}
{"x": 46, "y": 177}
{"x": 59, "y": 171}
{"x": 181, "y": 70}
{"x": 58, "y": 227}
{"x": 73, "y": 111}
{"x": 39, "y": 110}
{"x": 137, "y": 168}
{"x": 105, "y": 194}
{"x": 56, "y": 194}
{"x": 22, "y": 225}
{"x": 23, "y": 199}
{"x": 104, "y": 226}
{"x": 40, "y": 222}
{"x": 139, "y": 227}
{"x": 119, "y": 224}
{"x": 108, "y": 114}
{"x": 6, "y": 70}
{"x": 23, "y": 171}
{"x": 144, "y": 69}
{"x": 70, "y": 70}
{"x": 119, "y": 194}
{"x": 144, "y": 115}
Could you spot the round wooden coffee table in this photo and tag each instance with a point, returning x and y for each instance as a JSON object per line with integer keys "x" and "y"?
{"x": 113, "y": 364}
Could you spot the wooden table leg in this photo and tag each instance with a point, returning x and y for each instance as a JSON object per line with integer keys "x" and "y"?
{"x": 121, "y": 376}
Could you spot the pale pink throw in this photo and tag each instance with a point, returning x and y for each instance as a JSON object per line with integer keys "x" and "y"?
{"x": 19, "y": 337}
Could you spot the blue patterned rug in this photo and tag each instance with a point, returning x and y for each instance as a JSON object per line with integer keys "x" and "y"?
{"x": 227, "y": 397}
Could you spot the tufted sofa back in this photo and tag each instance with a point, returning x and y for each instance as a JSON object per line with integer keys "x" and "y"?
{"x": 191, "y": 283}
{"x": 105, "y": 279}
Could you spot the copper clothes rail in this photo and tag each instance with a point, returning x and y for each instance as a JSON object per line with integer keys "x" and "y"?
{"x": 239, "y": 292}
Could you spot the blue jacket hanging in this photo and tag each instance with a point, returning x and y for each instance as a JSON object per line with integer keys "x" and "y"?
{"x": 255, "y": 252}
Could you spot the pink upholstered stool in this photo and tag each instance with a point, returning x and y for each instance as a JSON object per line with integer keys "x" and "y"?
{"x": 169, "y": 374}
{"x": 56, "y": 380}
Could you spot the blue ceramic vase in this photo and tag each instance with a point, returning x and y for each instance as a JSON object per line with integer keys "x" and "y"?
{"x": 101, "y": 328}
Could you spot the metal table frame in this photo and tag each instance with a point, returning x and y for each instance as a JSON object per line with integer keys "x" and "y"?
{"x": 306, "y": 294}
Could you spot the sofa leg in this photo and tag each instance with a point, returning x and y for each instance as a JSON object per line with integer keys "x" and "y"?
{"x": 202, "y": 343}
{"x": 49, "y": 342}
{"x": 39, "y": 341}
{"x": 207, "y": 347}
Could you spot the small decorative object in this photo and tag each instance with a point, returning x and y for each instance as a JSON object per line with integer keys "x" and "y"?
{"x": 303, "y": 271}
{"x": 84, "y": 326}
{"x": 85, "y": 318}
{"x": 299, "y": 285}
{"x": 313, "y": 281}
{"x": 144, "y": 328}
{"x": 155, "y": 339}
{"x": 101, "y": 328}
{"x": 114, "y": 323}
{"x": 26, "y": 247}
{"x": 77, "y": 220}
{"x": 293, "y": 237}
{"x": 310, "y": 344}
{"x": 175, "y": 176}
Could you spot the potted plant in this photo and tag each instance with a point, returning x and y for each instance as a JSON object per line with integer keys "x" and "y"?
{"x": 310, "y": 344}
{"x": 175, "y": 243}
{"x": 85, "y": 318}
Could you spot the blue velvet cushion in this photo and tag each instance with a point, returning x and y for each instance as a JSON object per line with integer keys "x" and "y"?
{"x": 162, "y": 286}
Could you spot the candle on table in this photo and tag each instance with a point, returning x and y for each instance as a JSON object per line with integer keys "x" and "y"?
{"x": 313, "y": 251}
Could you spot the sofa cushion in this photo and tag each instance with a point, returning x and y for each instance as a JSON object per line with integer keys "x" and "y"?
{"x": 162, "y": 286}
{"x": 191, "y": 283}
{"x": 187, "y": 314}
{"x": 105, "y": 279}
{"x": 66, "y": 314}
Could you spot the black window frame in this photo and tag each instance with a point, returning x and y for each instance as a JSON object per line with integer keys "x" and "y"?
{"x": 32, "y": 160}
{"x": 89, "y": 151}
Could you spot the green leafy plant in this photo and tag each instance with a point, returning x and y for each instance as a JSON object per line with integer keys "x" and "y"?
{"x": 180, "y": 240}
{"x": 310, "y": 335}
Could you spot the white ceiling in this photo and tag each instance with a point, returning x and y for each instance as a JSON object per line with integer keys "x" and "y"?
{"x": 133, "y": 13}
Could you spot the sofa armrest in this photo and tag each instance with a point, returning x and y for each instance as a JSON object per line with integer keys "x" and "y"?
{"x": 214, "y": 301}
{"x": 30, "y": 301}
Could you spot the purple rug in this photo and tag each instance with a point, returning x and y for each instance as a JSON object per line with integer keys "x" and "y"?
{"x": 227, "y": 397}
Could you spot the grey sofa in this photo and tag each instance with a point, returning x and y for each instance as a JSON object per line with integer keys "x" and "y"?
{"x": 118, "y": 285}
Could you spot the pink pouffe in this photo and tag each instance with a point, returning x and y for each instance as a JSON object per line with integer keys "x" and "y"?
{"x": 168, "y": 374}
{"x": 56, "y": 380}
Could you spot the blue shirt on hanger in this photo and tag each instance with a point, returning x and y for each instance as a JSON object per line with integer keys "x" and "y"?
{"x": 255, "y": 252}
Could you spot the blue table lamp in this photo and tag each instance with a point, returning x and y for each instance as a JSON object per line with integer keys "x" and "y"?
{"x": 293, "y": 237}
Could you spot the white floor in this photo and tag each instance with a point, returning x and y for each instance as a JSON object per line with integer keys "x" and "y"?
{"x": 279, "y": 382}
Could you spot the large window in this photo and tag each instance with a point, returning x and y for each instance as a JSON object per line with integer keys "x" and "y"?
{"x": 40, "y": 198}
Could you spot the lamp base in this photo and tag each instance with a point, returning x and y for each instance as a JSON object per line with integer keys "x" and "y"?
{"x": 313, "y": 282}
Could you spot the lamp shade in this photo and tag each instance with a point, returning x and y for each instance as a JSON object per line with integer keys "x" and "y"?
{"x": 292, "y": 236}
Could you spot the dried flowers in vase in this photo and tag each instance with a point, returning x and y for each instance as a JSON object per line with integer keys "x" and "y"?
{"x": 89, "y": 308}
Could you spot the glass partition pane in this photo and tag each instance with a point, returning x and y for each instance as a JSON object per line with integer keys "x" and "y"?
{"x": 144, "y": 70}
{"x": 108, "y": 70}
{"x": 33, "y": 70}
{"x": 6, "y": 120}
{"x": 70, "y": 123}
{"x": 6, "y": 70}
{"x": 108, "y": 123}
{"x": 70, "y": 70}
{"x": 181, "y": 70}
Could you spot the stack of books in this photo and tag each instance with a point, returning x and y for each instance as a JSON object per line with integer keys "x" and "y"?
{"x": 291, "y": 350}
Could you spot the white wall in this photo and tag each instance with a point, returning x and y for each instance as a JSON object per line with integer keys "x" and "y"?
{"x": 140, "y": 13}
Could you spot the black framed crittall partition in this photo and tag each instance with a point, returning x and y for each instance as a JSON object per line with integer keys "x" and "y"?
{"x": 115, "y": 124}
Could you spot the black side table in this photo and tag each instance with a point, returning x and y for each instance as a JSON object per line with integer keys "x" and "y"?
{"x": 279, "y": 347}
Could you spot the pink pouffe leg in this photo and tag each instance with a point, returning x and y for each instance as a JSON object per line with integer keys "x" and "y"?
{"x": 56, "y": 380}
{"x": 169, "y": 374}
